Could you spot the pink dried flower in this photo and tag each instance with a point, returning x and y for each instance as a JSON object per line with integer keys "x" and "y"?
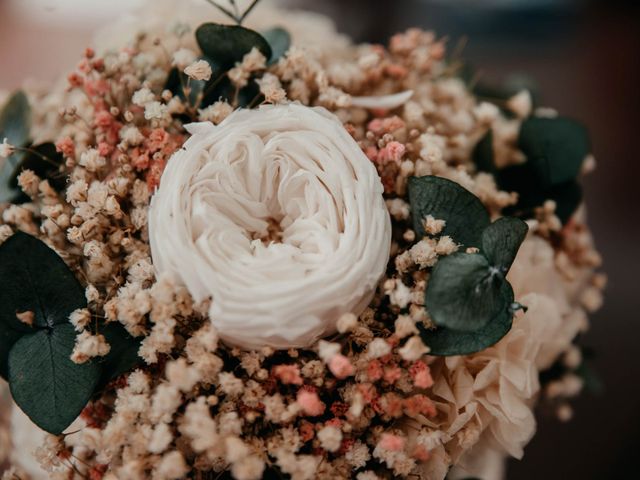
{"x": 393, "y": 152}
{"x": 66, "y": 146}
{"x": 420, "y": 405}
{"x": 310, "y": 403}
{"x": 288, "y": 374}
{"x": 340, "y": 366}
{"x": 421, "y": 374}
{"x": 158, "y": 139}
{"x": 374, "y": 370}
{"x": 391, "y": 442}
{"x": 392, "y": 374}
{"x": 75, "y": 79}
{"x": 104, "y": 119}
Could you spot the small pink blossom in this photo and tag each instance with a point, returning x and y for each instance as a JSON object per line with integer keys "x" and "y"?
{"x": 66, "y": 146}
{"x": 391, "y": 442}
{"x": 288, "y": 374}
{"x": 310, "y": 403}
{"x": 103, "y": 119}
{"x": 393, "y": 152}
{"x": 340, "y": 366}
{"x": 421, "y": 374}
{"x": 104, "y": 149}
{"x": 392, "y": 374}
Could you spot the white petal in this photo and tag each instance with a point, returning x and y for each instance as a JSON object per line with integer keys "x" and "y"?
{"x": 387, "y": 102}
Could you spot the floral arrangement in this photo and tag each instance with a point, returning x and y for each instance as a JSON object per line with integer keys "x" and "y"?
{"x": 256, "y": 250}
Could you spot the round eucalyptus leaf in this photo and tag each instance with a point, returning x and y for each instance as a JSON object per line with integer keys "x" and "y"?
{"x": 227, "y": 44}
{"x": 34, "y": 278}
{"x": 464, "y": 292}
{"x": 444, "y": 341}
{"x": 50, "y": 388}
{"x": 501, "y": 241}
{"x": 15, "y": 120}
{"x": 279, "y": 40}
{"x": 555, "y": 148}
{"x": 483, "y": 154}
{"x": 463, "y": 212}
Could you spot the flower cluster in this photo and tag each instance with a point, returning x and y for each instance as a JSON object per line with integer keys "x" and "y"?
{"x": 367, "y": 402}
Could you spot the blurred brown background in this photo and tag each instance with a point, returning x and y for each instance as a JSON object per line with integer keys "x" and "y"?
{"x": 585, "y": 58}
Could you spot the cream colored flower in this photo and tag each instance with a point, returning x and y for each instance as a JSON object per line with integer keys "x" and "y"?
{"x": 278, "y": 216}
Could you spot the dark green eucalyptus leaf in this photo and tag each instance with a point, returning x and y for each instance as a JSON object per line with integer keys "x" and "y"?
{"x": 517, "y": 178}
{"x": 464, "y": 292}
{"x": 555, "y": 149}
{"x": 123, "y": 355}
{"x": 483, "y": 154}
{"x": 9, "y": 193}
{"x": 443, "y": 199}
{"x": 43, "y": 159}
{"x": 15, "y": 120}
{"x": 501, "y": 241}
{"x": 279, "y": 40}
{"x": 50, "y": 388}
{"x": 10, "y": 332}
{"x": 34, "y": 278}
{"x": 227, "y": 44}
{"x": 446, "y": 342}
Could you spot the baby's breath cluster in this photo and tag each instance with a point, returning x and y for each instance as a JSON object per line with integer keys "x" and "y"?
{"x": 366, "y": 403}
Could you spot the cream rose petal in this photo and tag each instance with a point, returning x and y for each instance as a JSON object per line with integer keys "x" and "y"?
{"x": 289, "y": 166}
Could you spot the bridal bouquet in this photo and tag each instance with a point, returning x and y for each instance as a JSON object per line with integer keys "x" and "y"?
{"x": 233, "y": 244}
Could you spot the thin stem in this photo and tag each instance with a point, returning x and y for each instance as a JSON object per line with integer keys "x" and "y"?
{"x": 226, "y": 11}
{"x": 235, "y": 7}
{"x": 38, "y": 154}
{"x": 248, "y": 10}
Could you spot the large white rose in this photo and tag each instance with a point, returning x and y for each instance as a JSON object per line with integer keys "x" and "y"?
{"x": 278, "y": 217}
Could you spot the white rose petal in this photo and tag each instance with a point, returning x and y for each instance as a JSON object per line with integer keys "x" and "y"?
{"x": 278, "y": 217}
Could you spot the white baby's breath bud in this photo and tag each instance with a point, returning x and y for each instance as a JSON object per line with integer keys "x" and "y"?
{"x": 405, "y": 326}
{"x": 199, "y": 70}
{"x": 155, "y": 110}
{"x": 142, "y": 97}
{"x": 413, "y": 349}
{"x": 330, "y": 438}
{"x": 378, "y": 348}
{"x": 347, "y": 322}
{"x": 327, "y": 350}
{"x": 80, "y": 318}
{"x": 183, "y": 57}
{"x": 215, "y": 113}
{"x": 433, "y": 226}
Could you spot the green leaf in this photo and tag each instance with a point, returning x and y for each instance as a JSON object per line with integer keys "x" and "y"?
{"x": 279, "y": 40}
{"x": 555, "y": 148}
{"x": 446, "y": 342}
{"x": 501, "y": 241}
{"x": 123, "y": 355}
{"x": 464, "y": 292}
{"x": 50, "y": 388}
{"x": 15, "y": 124}
{"x": 33, "y": 278}
{"x": 15, "y": 120}
{"x": 44, "y": 160}
{"x": 483, "y": 154}
{"x": 227, "y": 44}
{"x": 443, "y": 199}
